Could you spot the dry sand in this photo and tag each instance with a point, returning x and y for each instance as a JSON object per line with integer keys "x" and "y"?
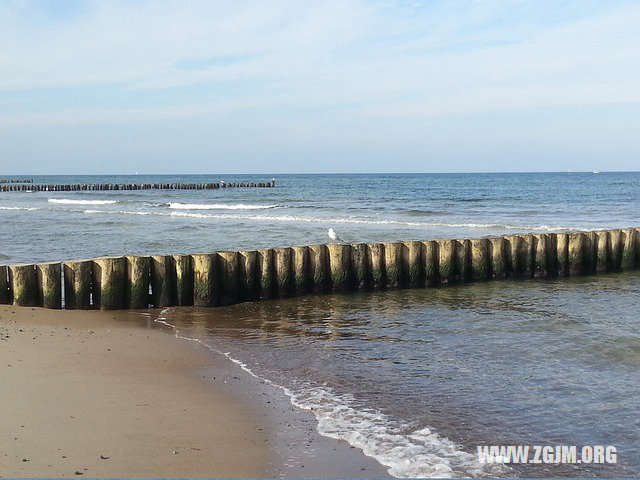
{"x": 95, "y": 395}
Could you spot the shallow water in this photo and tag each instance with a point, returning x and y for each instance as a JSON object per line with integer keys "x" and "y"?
{"x": 419, "y": 378}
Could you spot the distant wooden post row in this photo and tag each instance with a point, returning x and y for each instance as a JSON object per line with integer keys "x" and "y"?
{"x": 24, "y": 186}
{"x": 225, "y": 278}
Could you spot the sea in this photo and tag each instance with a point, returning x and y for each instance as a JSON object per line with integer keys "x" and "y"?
{"x": 417, "y": 379}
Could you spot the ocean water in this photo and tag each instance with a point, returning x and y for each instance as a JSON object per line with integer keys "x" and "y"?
{"x": 415, "y": 378}
{"x": 72, "y": 225}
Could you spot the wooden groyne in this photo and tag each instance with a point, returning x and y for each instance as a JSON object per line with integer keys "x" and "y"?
{"x": 228, "y": 277}
{"x": 16, "y": 180}
{"x": 31, "y": 187}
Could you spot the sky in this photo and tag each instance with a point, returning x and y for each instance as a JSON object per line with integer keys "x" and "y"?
{"x": 99, "y": 87}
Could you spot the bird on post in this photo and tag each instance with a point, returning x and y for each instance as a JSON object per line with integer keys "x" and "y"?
{"x": 333, "y": 235}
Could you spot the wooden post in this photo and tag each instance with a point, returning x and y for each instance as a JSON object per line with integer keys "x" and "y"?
{"x": 266, "y": 273}
{"x": 284, "y": 273}
{"x": 603, "y": 261}
{"x": 24, "y": 285}
{"x": 576, "y": 252}
{"x": 300, "y": 260}
{"x": 5, "y": 292}
{"x": 183, "y": 267}
{"x": 480, "y": 259}
{"x": 205, "y": 286}
{"x": 248, "y": 275}
{"x": 553, "y": 262}
{"x": 521, "y": 255}
{"x": 319, "y": 268}
{"x": 49, "y": 285}
{"x": 393, "y": 265}
{"x": 77, "y": 284}
{"x": 413, "y": 264}
{"x": 446, "y": 259}
{"x": 462, "y": 260}
{"x": 360, "y": 266}
{"x": 163, "y": 281}
{"x": 541, "y": 255}
{"x": 628, "y": 250}
{"x": 228, "y": 278}
{"x": 110, "y": 283}
{"x": 339, "y": 266}
{"x": 138, "y": 279}
{"x": 562, "y": 251}
{"x": 431, "y": 262}
{"x": 376, "y": 260}
{"x": 497, "y": 257}
{"x": 617, "y": 247}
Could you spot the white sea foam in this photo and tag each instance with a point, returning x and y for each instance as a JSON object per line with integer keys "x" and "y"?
{"x": 420, "y": 453}
{"x": 218, "y": 206}
{"x": 363, "y": 221}
{"x": 19, "y": 208}
{"x": 337, "y": 220}
{"x": 70, "y": 201}
{"x": 122, "y": 212}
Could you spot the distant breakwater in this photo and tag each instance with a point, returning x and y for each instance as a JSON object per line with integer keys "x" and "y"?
{"x": 228, "y": 277}
{"x": 16, "y": 180}
{"x": 31, "y": 187}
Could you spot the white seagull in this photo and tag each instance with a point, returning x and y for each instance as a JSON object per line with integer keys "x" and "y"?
{"x": 332, "y": 234}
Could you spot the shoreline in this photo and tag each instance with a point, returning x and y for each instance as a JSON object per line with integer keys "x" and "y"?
{"x": 112, "y": 394}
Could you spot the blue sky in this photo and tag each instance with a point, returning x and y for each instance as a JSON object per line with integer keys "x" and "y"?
{"x": 318, "y": 86}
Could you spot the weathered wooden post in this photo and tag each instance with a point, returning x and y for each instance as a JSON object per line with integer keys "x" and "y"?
{"x": 248, "y": 275}
{"x": 497, "y": 257}
{"x": 393, "y": 265}
{"x": 603, "y": 260}
{"x": 552, "y": 254}
{"x": 227, "y": 278}
{"x": 163, "y": 281}
{"x": 300, "y": 260}
{"x": 110, "y": 283}
{"x": 359, "y": 266}
{"x": 541, "y": 255}
{"x": 562, "y": 252}
{"x": 183, "y": 267}
{"x": 576, "y": 253}
{"x": 5, "y": 292}
{"x": 138, "y": 280}
{"x": 431, "y": 262}
{"x": 205, "y": 286}
{"x": 266, "y": 272}
{"x": 49, "y": 285}
{"x": 339, "y": 266}
{"x": 77, "y": 284}
{"x": 284, "y": 273}
{"x": 446, "y": 260}
{"x": 480, "y": 259}
{"x": 521, "y": 255}
{"x": 413, "y": 264}
{"x": 617, "y": 246}
{"x": 462, "y": 260}
{"x": 24, "y": 285}
{"x": 319, "y": 268}
{"x": 376, "y": 261}
{"x": 628, "y": 250}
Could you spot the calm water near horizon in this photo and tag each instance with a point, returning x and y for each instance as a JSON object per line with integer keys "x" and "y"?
{"x": 415, "y": 378}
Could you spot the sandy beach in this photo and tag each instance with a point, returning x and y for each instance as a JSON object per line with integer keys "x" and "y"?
{"x": 103, "y": 394}
{"x": 95, "y": 395}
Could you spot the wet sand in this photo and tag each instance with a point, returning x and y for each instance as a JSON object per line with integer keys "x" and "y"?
{"x": 110, "y": 394}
